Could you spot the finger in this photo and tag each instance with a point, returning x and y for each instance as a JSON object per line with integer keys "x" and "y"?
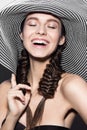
{"x": 24, "y": 90}
{"x": 18, "y": 95}
{"x": 23, "y": 86}
{"x": 13, "y": 80}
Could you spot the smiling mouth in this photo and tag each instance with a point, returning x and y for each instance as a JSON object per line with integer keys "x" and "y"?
{"x": 40, "y": 42}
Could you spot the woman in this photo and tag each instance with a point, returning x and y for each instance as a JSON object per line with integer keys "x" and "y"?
{"x": 42, "y": 95}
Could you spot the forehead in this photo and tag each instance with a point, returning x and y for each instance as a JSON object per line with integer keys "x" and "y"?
{"x": 42, "y": 16}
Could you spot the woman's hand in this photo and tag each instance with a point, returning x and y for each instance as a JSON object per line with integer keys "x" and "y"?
{"x": 17, "y": 101}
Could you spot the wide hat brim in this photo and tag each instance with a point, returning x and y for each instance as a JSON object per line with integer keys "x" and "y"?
{"x": 74, "y": 55}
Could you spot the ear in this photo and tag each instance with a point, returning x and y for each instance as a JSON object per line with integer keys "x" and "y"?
{"x": 62, "y": 40}
{"x": 21, "y": 36}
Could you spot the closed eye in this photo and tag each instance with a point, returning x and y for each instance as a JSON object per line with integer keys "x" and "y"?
{"x": 52, "y": 27}
{"x": 32, "y": 24}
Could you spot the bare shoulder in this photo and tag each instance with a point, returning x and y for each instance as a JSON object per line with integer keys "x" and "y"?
{"x": 74, "y": 89}
{"x": 4, "y": 87}
{"x": 72, "y": 84}
{"x": 72, "y": 79}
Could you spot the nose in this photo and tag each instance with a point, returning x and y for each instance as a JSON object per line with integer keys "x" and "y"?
{"x": 41, "y": 30}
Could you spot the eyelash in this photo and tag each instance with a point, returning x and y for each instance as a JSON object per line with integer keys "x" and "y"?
{"x": 52, "y": 27}
{"x": 32, "y": 24}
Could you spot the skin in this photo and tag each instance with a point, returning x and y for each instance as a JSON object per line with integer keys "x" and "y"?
{"x": 72, "y": 89}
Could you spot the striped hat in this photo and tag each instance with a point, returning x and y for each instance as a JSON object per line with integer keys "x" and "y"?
{"x": 74, "y": 55}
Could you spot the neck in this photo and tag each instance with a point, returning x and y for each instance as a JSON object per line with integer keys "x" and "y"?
{"x": 36, "y": 72}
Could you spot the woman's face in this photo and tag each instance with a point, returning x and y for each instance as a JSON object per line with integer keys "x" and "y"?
{"x": 41, "y": 34}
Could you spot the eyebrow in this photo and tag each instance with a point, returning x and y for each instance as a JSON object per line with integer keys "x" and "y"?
{"x": 54, "y": 20}
{"x": 30, "y": 18}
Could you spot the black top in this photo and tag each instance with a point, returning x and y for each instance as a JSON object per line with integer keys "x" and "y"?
{"x": 19, "y": 126}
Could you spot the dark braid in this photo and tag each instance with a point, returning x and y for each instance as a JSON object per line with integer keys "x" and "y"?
{"x": 23, "y": 67}
{"x": 51, "y": 76}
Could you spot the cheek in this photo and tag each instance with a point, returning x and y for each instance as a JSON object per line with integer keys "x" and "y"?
{"x": 26, "y": 37}
{"x": 55, "y": 38}
{"x": 28, "y": 31}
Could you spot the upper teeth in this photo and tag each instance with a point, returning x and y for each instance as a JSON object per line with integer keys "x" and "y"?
{"x": 40, "y": 42}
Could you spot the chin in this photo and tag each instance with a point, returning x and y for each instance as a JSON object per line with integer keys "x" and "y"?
{"x": 39, "y": 58}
